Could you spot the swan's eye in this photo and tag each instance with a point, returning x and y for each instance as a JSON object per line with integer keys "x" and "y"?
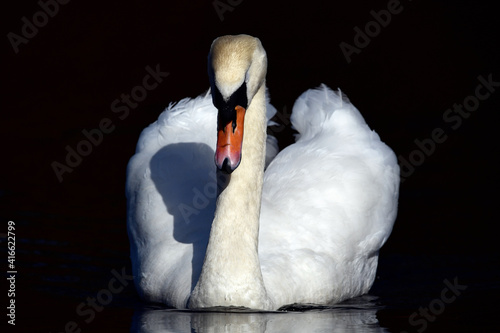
{"x": 239, "y": 97}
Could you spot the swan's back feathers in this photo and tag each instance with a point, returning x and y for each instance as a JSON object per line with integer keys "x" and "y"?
{"x": 337, "y": 159}
{"x": 329, "y": 198}
{"x": 313, "y": 109}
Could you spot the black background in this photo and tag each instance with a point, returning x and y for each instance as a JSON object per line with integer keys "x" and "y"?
{"x": 64, "y": 79}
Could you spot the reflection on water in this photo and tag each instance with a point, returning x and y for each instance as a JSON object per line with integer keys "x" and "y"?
{"x": 356, "y": 315}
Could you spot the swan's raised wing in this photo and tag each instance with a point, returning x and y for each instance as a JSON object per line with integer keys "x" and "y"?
{"x": 329, "y": 200}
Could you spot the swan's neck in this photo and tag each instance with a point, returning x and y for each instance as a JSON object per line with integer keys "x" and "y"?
{"x": 231, "y": 273}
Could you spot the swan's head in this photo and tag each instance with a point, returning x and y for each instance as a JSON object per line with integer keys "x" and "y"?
{"x": 237, "y": 69}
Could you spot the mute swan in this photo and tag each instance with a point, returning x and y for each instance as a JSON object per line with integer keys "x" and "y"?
{"x": 307, "y": 230}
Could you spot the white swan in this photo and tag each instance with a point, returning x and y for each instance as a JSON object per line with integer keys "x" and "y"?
{"x": 308, "y": 230}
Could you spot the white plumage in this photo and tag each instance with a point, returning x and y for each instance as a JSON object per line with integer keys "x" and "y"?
{"x": 328, "y": 204}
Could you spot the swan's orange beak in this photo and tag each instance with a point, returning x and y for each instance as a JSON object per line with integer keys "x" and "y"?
{"x": 229, "y": 142}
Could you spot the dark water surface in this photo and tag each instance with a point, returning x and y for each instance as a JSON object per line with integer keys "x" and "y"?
{"x": 69, "y": 282}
